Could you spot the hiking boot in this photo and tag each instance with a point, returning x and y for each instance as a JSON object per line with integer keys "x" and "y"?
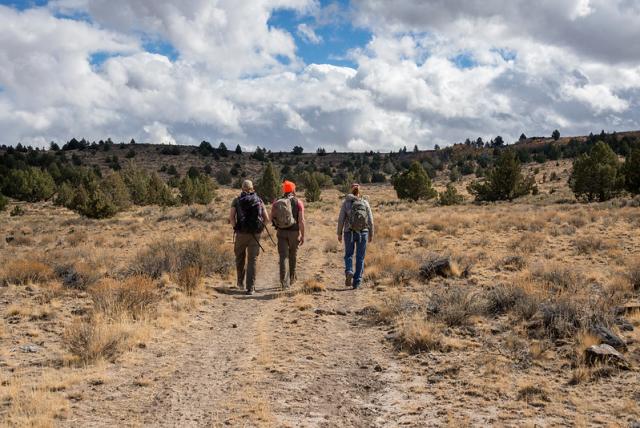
{"x": 249, "y": 292}
{"x": 356, "y": 285}
{"x": 347, "y": 279}
{"x": 240, "y": 286}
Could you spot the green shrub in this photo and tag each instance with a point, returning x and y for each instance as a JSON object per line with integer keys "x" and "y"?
{"x": 30, "y": 185}
{"x": 199, "y": 190}
{"x": 596, "y": 176}
{"x": 311, "y": 188}
{"x": 268, "y": 187}
{"x": 101, "y": 198}
{"x": 450, "y": 196}
{"x": 3, "y": 202}
{"x": 137, "y": 182}
{"x": 414, "y": 184}
{"x": 65, "y": 195}
{"x": 223, "y": 177}
{"x": 504, "y": 181}
{"x": 159, "y": 193}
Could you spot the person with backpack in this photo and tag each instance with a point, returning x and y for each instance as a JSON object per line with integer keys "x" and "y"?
{"x": 355, "y": 226}
{"x": 248, "y": 216}
{"x": 287, "y": 215}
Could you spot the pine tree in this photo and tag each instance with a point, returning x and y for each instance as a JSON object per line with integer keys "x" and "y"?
{"x": 555, "y": 135}
{"x": 504, "y": 181}
{"x": 596, "y": 176}
{"x": 632, "y": 172}
{"x": 238, "y": 150}
{"x": 414, "y": 184}
{"x": 268, "y": 187}
{"x": 450, "y": 196}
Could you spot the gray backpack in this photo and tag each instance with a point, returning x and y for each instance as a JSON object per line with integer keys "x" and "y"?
{"x": 358, "y": 216}
{"x": 283, "y": 213}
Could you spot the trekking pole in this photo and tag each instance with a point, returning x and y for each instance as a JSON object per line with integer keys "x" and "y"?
{"x": 269, "y": 233}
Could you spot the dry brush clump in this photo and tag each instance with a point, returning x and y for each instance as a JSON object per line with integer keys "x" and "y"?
{"x": 454, "y": 305}
{"x": 134, "y": 298}
{"x": 95, "y": 339}
{"x": 79, "y": 275}
{"x": 209, "y": 255}
{"x": 23, "y": 272}
{"x": 416, "y": 334}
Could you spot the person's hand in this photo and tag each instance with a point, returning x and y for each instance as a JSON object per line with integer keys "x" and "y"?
{"x": 301, "y": 240}
{"x": 340, "y": 238}
{"x": 371, "y": 239}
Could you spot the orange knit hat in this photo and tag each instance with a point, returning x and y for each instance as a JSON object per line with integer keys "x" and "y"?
{"x": 288, "y": 186}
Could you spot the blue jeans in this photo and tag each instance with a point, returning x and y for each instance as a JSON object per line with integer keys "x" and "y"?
{"x": 355, "y": 242}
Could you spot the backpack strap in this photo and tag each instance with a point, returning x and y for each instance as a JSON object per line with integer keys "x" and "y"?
{"x": 294, "y": 208}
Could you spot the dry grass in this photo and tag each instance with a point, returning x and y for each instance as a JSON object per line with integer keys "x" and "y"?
{"x": 591, "y": 244}
{"x": 416, "y": 334}
{"x": 31, "y": 405}
{"x": 454, "y": 305}
{"x": 133, "y": 298}
{"x": 189, "y": 278}
{"x": 313, "y": 285}
{"x": 96, "y": 339}
{"x": 23, "y": 272}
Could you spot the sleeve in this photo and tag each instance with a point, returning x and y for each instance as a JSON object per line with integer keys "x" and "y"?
{"x": 341, "y": 218}
{"x": 370, "y": 215}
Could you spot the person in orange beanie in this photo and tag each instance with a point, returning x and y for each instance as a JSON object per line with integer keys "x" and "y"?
{"x": 288, "y": 219}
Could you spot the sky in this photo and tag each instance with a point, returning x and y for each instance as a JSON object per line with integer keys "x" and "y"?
{"x": 346, "y": 75}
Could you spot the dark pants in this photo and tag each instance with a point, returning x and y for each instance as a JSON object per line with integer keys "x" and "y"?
{"x": 287, "y": 250}
{"x": 355, "y": 242}
{"x": 246, "y": 250}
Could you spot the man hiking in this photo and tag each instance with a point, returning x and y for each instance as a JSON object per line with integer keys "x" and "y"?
{"x": 248, "y": 217}
{"x": 355, "y": 226}
{"x": 287, "y": 215}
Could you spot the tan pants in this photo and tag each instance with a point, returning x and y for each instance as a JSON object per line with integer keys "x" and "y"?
{"x": 287, "y": 250}
{"x": 247, "y": 250}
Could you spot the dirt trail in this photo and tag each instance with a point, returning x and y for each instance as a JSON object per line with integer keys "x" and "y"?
{"x": 256, "y": 361}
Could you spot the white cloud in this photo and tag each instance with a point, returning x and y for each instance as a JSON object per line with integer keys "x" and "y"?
{"x": 308, "y": 34}
{"x": 240, "y": 80}
{"x": 158, "y": 134}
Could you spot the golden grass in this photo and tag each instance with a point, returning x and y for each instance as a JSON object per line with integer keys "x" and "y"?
{"x": 133, "y": 298}
{"x": 23, "y": 272}
{"x": 96, "y": 339}
{"x": 415, "y": 334}
{"x": 313, "y": 285}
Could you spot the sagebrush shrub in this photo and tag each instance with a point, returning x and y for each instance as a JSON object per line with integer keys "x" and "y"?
{"x": 450, "y": 196}
{"x": 94, "y": 339}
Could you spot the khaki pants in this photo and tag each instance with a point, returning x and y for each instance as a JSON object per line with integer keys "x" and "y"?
{"x": 287, "y": 250}
{"x": 246, "y": 250}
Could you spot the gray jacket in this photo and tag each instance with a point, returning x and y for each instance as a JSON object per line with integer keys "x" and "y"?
{"x": 343, "y": 219}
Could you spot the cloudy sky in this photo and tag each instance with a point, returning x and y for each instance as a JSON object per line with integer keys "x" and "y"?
{"x": 346, "y": 75}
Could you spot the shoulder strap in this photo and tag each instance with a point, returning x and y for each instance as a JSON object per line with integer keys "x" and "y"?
{"x": 294, "y": 208}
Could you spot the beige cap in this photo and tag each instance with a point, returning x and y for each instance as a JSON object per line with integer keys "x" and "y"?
{"x": 247, "y": 186}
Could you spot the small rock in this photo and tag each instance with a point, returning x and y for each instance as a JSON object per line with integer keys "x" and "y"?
{"x": 623, "y": 324}
{"x": 605, "y": 354}
{"x": 234, "y": 325}
{"x": 608, "y": 337}
{"x": 341, "y": 312}
{"x": 377, "y": 368}
{"x": 29, "y": 349}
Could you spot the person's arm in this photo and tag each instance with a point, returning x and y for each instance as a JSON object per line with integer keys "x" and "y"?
{"x": 341, "y": 217}
{"x": 301, "y": 221}
{"x": 265, "y": 214}
{"x": 370, "y": 219}
{"x": 232, "y": 217}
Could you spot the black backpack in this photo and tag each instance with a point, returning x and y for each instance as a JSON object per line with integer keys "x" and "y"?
{"x": 249, "y": 214}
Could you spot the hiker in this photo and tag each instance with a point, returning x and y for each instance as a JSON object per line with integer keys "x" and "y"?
{"x": 248, "y": 217}
{"x": 355, "y": 226}
{"x": 287, "y": 215}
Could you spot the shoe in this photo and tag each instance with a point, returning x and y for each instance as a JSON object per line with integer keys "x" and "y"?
{"x": 356, "y": 285}
{"x": 347, "y": 279}
{"x": 240, "y": 286}
{"x": 249, "y": 292}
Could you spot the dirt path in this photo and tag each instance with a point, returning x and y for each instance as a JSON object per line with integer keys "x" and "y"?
{"x": 259, "y": 360}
